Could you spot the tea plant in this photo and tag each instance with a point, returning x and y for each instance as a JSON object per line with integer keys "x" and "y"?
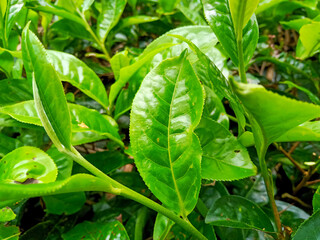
{"x": 109, "y": 131}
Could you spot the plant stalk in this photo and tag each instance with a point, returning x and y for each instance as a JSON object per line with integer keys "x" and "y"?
{"x": 119, "y": 189}
{"x": 95, "y": 38}
{"x": 242, "y": 70}
{"x": 269, "y": 187}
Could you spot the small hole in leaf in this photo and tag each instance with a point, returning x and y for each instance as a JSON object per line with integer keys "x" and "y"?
{"x": 236, "y": 151}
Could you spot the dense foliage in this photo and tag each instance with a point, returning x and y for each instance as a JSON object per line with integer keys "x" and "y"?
{"x": 159, "y": 119}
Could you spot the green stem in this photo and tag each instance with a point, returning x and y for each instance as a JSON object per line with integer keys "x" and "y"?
{"x": 202, "y": 208}
{"x": 242, "y": 70}
{"x": 140, "y": 223}
{"x": 269, "y": 186}
{"x": 119, "y": 189}
{"x": 95, "y": 38}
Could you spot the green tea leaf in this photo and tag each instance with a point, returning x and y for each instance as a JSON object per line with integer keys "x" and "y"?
{"x": 6, "y": 64}
{"x": 310, "y": 39}
{"x": 15, "y": 90}
{"x": 67, "y": 203}
{"x": 314, "y": 99}
{"x": 27, "y": 164}
{"x": 272, "y": 115}
{"x": 42, "y": 5}
{"x": 218, "y": 15}
{"x": 48, "y": 92}
{"x": 76, "y": 183}
{"x": 83, "y": 119}
{"x": 309, "y": 229}
{"x": 6, "y": 214}
{"x": 13, "y": 9}
{"x": 8, "y": 144}
{"x": 97, "y": 230}
{"x": 238, "y": 212}
{"x": 224, "y": 158}
{"x": 9, "y": 232}
{"x": 316, "y": 200}
{"x": 76, "y": 72}
{"x": 202, "y": 36}
{"x": 110, "y": 14}
{"x": 162, "y": 227}
{"x": 165, "y": 111}
{"x": 241, "y": 12}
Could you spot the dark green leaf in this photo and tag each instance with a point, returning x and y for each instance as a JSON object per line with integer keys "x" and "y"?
{"x": 9, "y": 232}
{"x": 97, "y": 230}
{"x": 238, "y": 212}
{"x": 309, "y": 229}
{"x": 15, "y": 90}
{"x": 162, "y": 227}
{"x": 67, "y": 203}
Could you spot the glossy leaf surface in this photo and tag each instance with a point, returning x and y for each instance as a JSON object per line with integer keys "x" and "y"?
{"x": 111, "y": 11}
{"x": 241, "y": 12}
{"x": 272, "y": 114}
{"x": 309, "y": 229}
{"x": 76, "y": 72}
{"x": 27, "y": 164}
{"x": 13, "y": 9}
{"x": 83, "y": 119}
{"x": 76, "y": 183}
{"x": 97, "y": 230}
{"x": 201, "y": 36}
{"x": 310, "y": 39}
{"x": 48, "y": 91}
{"x": 218, "y": 15}
{"x": 238, "y": 212}
{"x": 162, "y": 227}
{"x": 224, "y": 158}
{"x": 166, "y": 110}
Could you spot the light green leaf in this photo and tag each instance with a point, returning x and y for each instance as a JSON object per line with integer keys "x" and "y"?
{"x": 316, "y": 200}
{"x": 13, "y": 9}
{"x": 97, "y": 230}
{"x": 241, "y": 12}
{"x": 168, "y": 5}
{"x": 272, "y": 115}
{"x": 127, "y": 72}
{"x": 203, "y": 38}
{"x": 162, "y": 227}
{"x": 76, "y": 183}
{"x": 165, "y": 111}
{"x": 218, "y": 15}
{"x": 238, "y": 212}
{"x": 310, "y": 39}
{"x": 83, "y": 119}
{"x": 224, "y": 158}
{"x": 6, "y": 64}
{"x": 128, "y": 21}
{"x": 26, "y": 165}
{"x": 210, "y": 75}
{"x": 6, "y": 214}
{"x": 42, "y": 5}
{"x": 190, "y": 10}
{"x": 48, "y": 92}
{"x": 76, "y": 72}
{"x": 110, "y": 14}
{"x": 309, "y": 229}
